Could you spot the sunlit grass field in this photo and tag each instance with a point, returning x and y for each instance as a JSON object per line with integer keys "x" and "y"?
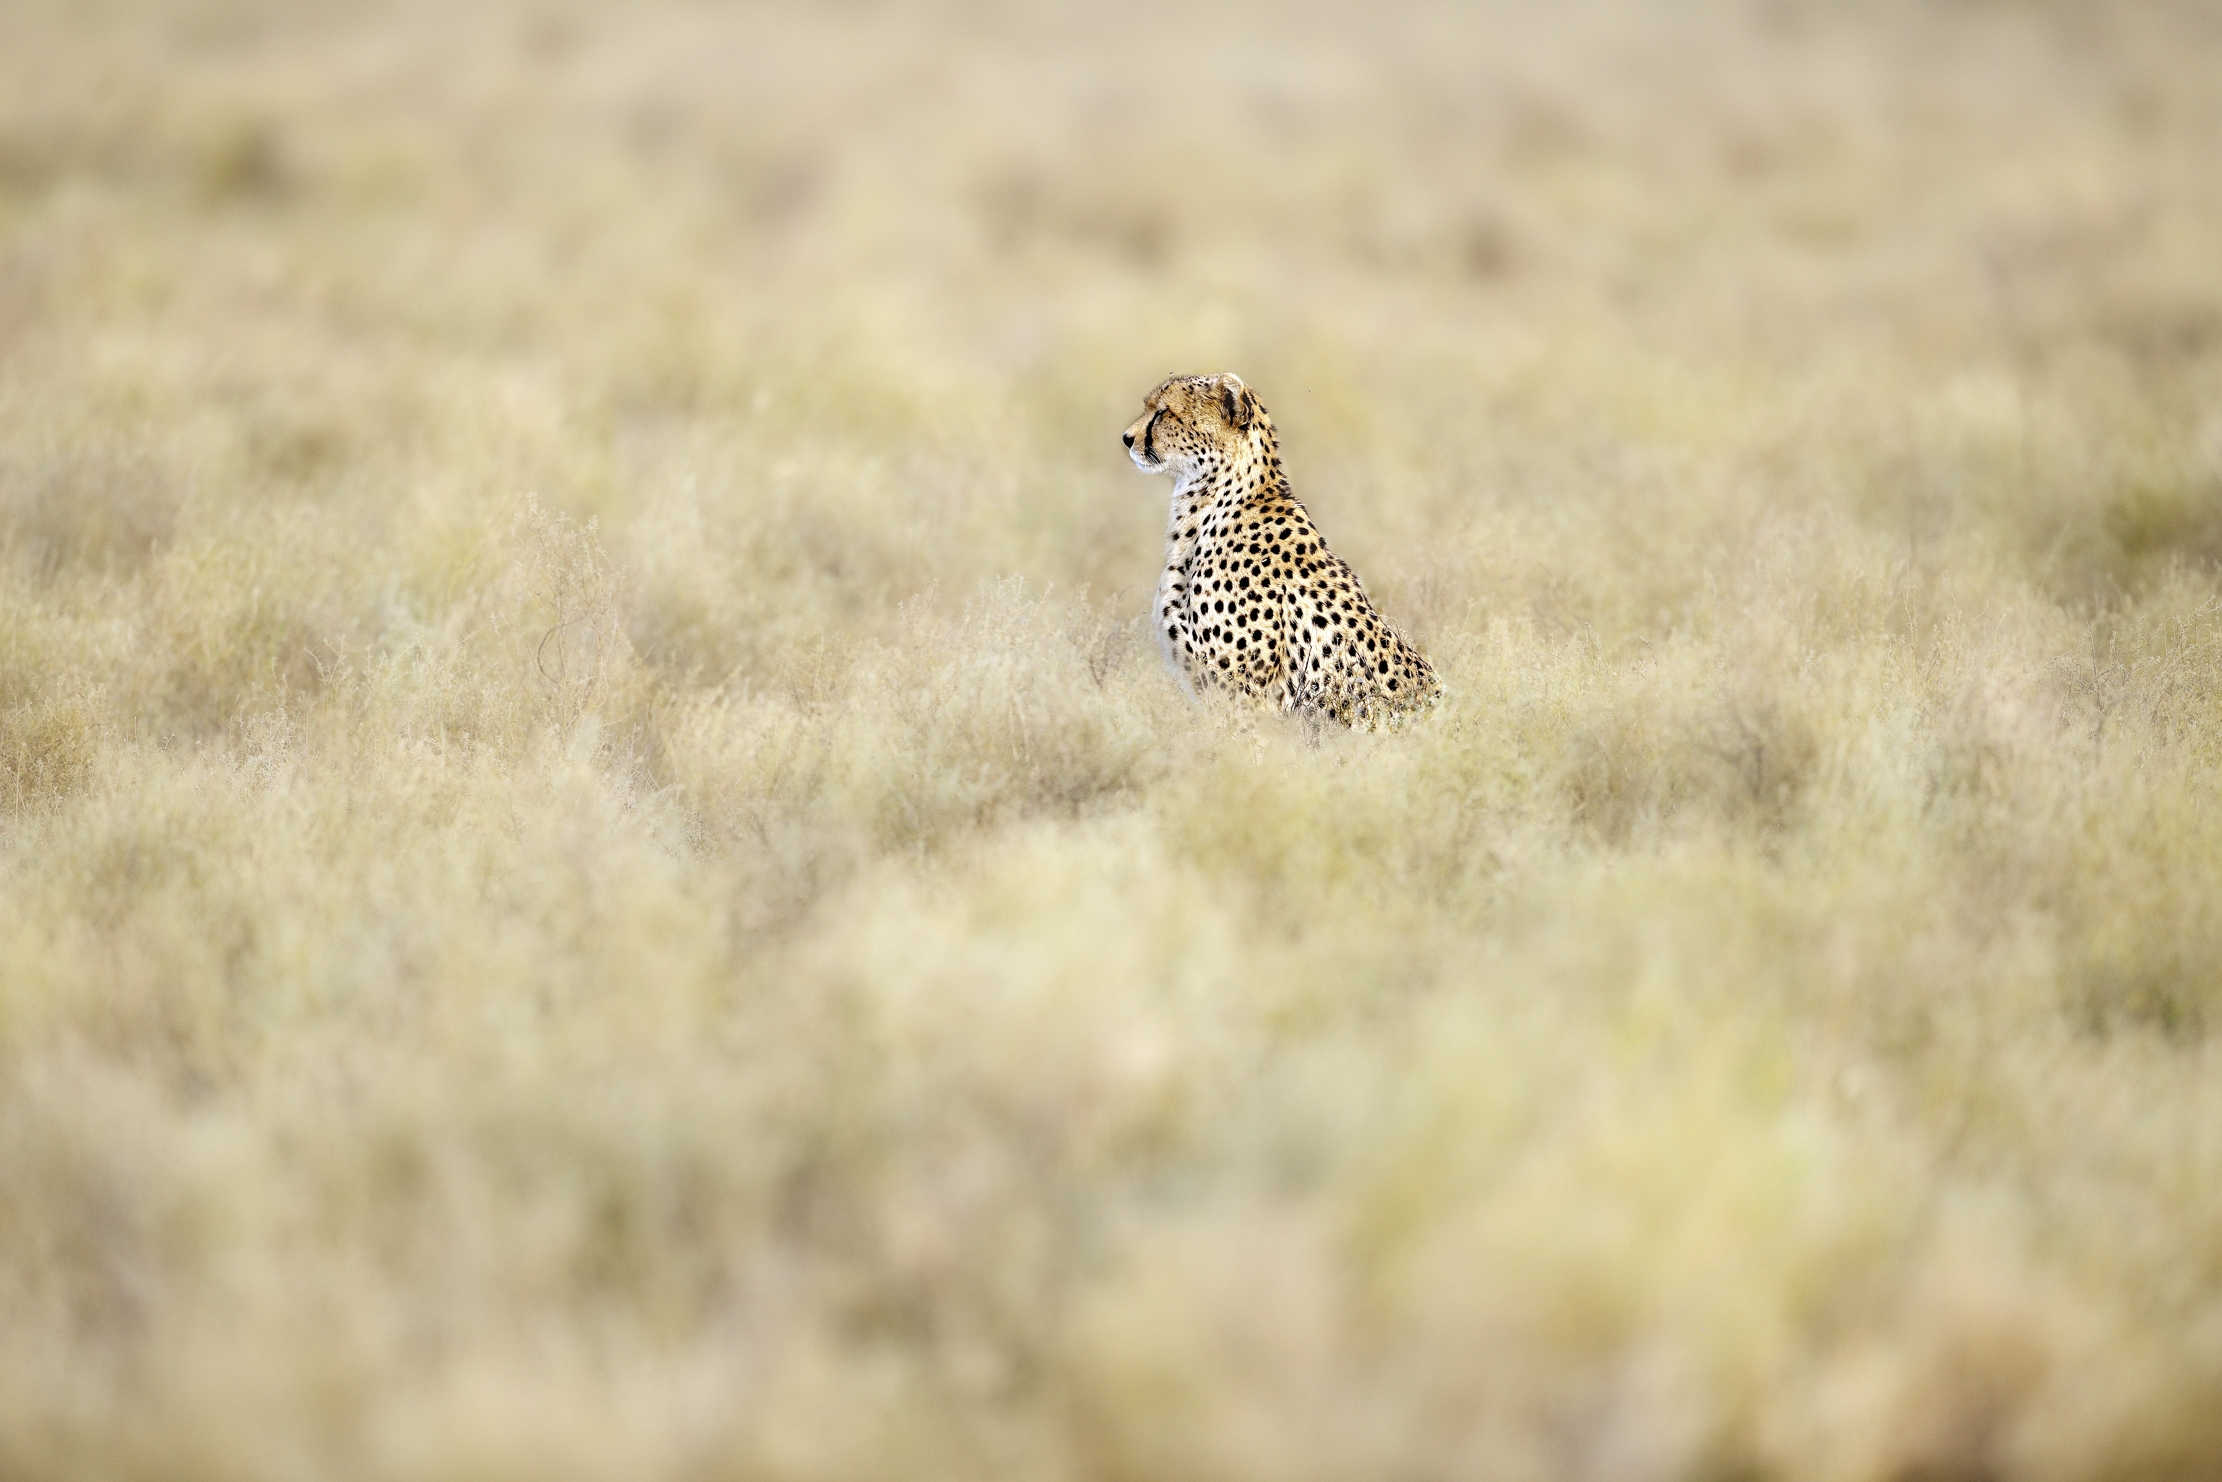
{"x": 600, "y": 876}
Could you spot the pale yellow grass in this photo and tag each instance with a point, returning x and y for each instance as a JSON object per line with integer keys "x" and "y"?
{"x": 599, "y": 876}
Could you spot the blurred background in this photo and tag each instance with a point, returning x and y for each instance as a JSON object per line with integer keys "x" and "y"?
{"x": 598, "y": 876}
{"x": 935, "y": 229}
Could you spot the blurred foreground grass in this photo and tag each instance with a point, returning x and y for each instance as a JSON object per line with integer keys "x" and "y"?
{"x": 598, "y": 876}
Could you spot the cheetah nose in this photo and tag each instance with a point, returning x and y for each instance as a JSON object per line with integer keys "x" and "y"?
{"x": 1127, "y": 438}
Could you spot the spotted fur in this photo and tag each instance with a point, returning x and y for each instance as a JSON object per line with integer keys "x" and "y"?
{"x": 1251, "y": 599}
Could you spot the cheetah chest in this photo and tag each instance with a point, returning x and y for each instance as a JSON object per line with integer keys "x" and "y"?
{"x": 1221, "y": 603}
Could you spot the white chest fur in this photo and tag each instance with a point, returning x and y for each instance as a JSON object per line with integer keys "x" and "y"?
{"x": 1191, "y": 500}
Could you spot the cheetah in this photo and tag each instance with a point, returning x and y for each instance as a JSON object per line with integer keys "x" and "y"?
{"x": 1251, "y": 600}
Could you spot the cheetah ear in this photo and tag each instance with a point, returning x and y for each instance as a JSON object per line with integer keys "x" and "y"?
{"x": 1238, "y": 401}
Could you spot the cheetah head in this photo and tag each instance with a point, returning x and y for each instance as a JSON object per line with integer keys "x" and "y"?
{"x": 1192, "y": 422}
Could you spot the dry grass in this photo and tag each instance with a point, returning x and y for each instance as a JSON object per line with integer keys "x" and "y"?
{"x": 599, "y": 878}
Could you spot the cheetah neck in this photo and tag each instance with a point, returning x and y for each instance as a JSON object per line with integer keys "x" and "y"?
{"x": 1228, "y": 481}
{"x": 1222, "y": 483}
{"x": 1192, "y": 494}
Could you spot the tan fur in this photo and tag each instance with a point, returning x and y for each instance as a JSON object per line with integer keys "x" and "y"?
{"x": 1251, "y": 599}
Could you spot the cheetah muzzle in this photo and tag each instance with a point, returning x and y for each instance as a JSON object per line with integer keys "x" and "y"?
{"x": 1251, "y": 600}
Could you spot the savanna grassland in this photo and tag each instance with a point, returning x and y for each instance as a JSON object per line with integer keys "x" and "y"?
{"x": 600, "y": 877}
